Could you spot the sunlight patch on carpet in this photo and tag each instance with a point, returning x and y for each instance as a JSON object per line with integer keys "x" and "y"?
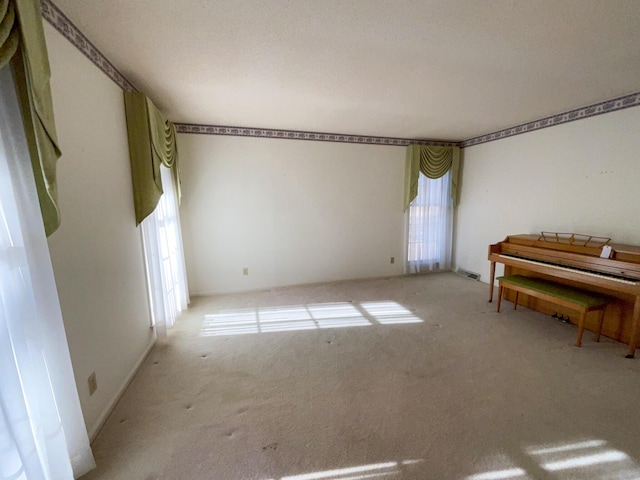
{"x": 306, "y": 317}
{"x": 584, "y": 459}
{"x": 360, "y": 472}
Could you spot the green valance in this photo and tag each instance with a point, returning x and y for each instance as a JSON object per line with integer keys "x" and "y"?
{"x": 23, "y": 44}
{"x": 433, "y": 162}
{"x": 152, "y": 143}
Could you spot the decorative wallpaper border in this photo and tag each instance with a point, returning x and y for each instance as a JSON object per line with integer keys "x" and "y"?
{"x": 67, "y": 28}
{"x": 607, "y": 106}
{"x": 302, "y": 135}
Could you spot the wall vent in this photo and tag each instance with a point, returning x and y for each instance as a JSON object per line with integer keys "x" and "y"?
{"x": 468, "y": 274}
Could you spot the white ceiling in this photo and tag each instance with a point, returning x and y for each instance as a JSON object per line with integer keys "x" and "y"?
{"x": 447, "y": 69}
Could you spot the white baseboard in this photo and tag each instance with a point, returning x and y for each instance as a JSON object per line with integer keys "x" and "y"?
{"x": 99, "y": 423}
{"x": 208, "y": 293}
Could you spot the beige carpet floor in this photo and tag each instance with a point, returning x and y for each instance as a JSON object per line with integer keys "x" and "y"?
{"x": 399, "y": 378}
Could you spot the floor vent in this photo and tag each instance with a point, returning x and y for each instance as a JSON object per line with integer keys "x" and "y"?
{"x": 468, "y": 274}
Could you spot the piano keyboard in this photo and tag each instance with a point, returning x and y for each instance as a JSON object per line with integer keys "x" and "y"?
{"x": 572, "y": 270}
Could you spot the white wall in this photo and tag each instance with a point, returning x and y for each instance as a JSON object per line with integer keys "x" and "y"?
{"x": 290, "y": 211}
{"x": 97, "y": 252}
{"x": 581, "y": 177}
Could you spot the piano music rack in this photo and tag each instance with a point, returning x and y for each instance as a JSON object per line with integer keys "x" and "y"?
{"x": 576, "y": 239}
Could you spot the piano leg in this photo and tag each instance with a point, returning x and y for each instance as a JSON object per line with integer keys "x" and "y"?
{"x": 491, "y": 280}
{"x": 633, "y": 340}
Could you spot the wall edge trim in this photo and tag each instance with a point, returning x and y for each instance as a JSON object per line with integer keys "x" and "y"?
{"x": 226, "y": 130}
{"x": 600, "y": 108}
{"x": 72, "y": 33}
{"x": 58, "y": 20}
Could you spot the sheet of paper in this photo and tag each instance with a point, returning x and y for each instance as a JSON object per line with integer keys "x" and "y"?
{"x": 606, "y": 252}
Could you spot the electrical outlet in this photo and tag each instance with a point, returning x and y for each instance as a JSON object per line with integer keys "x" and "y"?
{"x": 93, "y": 383}
{"x": 245, "y": 271}
{"x": 393, "y": 259}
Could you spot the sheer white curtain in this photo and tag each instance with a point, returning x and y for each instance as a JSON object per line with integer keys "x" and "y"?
{"x": 166, "y": 273}
{"x": 42, "y": 432}
{"x": 430, "y": 226}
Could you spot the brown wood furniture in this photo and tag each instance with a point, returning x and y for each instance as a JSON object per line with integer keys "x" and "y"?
{"x": 579, "y": 301}
{"x": 576, "y": 260}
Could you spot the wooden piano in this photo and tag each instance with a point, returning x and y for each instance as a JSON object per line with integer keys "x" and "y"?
{"x": 586, "y": 262}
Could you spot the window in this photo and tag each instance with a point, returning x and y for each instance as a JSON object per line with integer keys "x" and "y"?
{"x": 430, "y": 226}
{"x": 164, "y": 258}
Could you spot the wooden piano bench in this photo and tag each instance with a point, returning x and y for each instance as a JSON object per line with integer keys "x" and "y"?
{"x": 581, "y": 301}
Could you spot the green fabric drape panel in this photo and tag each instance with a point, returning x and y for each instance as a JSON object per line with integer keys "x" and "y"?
{"x": 23, "y": 44}
{"x": 8, "y": 32}
{"x": 163, "y": 140}
{"x": 411, "y": 174}
{"x": 455, "y": 175}
{"x": 433, "y": 162}
{"x": 152, "y": 143}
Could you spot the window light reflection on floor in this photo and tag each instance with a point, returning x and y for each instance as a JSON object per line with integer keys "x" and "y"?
{"x": 389, "y": 312}
{"x": 284, "y": 319}
{"x": 503, "y": 468}
{"x": 585, "y": 459}
{"x": 385, "y": 468}
{"x": 566, "y": 447}
{"x": 508, "y": 473}
{"x": 306, "y": 317}
{"x": 337, "y": 315}
{"x": 360, "y": 472}
{"x": 586, "y": 455}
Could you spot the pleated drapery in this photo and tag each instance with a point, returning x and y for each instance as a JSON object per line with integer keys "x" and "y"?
{"x": 433, "y": 162}
{"x": 152, "y": 143}
{"x": 9, "y": 36}
{"x": 23, "y": 44}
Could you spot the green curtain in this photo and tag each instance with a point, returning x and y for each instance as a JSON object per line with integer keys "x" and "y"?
{"x": 152, "y": 143}
{"x": 22, "y": 43}
{"x": 8, "y": 32}
{"x": 433, "y": 162}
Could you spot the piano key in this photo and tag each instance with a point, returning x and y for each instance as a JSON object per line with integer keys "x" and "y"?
{"x": 573, "y": 270}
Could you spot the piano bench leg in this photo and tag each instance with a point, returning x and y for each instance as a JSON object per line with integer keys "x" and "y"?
{"x": 635, "y": 326}
{"x": 580, "y": 329}
{"x": 515, "y": 301}
{"x": 600, "y": 322}
{"x": 500, "y": 288}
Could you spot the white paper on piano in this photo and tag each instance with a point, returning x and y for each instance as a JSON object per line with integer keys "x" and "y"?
{"x": 606, "y": 252}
